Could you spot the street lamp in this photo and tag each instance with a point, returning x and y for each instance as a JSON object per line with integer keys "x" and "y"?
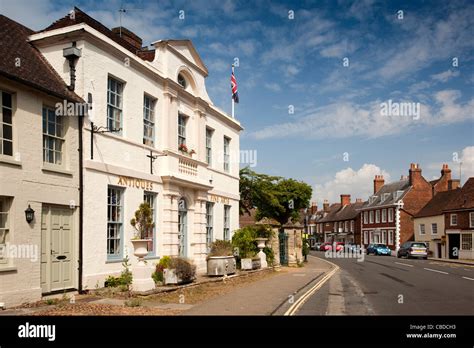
{"x": 29, "y": 214}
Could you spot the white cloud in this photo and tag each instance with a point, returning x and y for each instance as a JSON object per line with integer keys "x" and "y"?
{"x": 357, "y": 183}
{"x": 275, "y": 87}
{"x": 445, "y": 75}
{"x": 467, "y": 159}
{"x": 346, "y": 119}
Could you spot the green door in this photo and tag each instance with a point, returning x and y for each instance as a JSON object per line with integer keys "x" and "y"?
{"x": 283, "y": 241}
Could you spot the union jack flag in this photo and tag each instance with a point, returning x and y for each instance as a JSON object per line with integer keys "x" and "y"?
{"x": 233, "y": 84}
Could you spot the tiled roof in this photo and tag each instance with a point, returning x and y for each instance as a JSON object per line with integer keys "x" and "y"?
{"x": 464, "y": 198}
{"x": 33, "y": 69}
{"x": 439, "y": 202}
{"x": 346, "y": 212}
{"x": 82, "y": 17}
{"x": 389, "y": 189}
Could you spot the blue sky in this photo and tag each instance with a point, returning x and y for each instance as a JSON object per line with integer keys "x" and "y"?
{"x": 336, "y": 139}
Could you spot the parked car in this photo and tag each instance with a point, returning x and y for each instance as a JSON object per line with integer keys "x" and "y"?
{"x": 352, "y": 247}
{"x": 413, "y": 249}
{"x": 328, "y": 246}
{"x": 378, "y": 249}
{"x": 316, "y": 246}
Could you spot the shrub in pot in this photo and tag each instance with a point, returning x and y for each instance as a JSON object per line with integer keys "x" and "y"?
{"x": 221, "y": 260}
{"x": 160, "y": 267}
{"x": 143, "y": 225}
{"x": 244, "y": 241}
{"x": 179, "y": 271}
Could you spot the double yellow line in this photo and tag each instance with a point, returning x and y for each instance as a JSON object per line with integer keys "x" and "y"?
{"x": 295, "y": 306}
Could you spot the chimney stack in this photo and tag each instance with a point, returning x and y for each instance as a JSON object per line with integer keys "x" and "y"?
{"x": 314, "y": 208}
{"x": 326, "y": 205}
{"x": 446, "y": 171}
{"x": 130, "y": 37}
{"x": 378, "y": 183}
{"x": 415, "y": 174}
{"x": 345, "y": 200}
{"x": 453, "y": 184}
{"x": 358, "y": 200}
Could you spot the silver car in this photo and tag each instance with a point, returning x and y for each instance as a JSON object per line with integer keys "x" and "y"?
{"x": 413, "y": 249}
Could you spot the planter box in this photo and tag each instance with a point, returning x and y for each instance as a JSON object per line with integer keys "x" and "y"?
{"x": 246, "y": 264}
{"x": 220, "y": 265}
{"x": 256, "y": 264}
{"x": 170, "y": 277}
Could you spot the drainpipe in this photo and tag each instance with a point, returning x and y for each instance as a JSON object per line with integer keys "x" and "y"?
{"x": 399, "y": 205}
{"x": 72, "y": 54}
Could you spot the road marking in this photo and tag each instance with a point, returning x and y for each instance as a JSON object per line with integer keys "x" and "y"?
{"x": 404, "y": 264}
{"x": 295, "y": 306}
{"x": 434, "y": 270}
{"x": 467, "y": 269}
{"x": 468, "y": 278}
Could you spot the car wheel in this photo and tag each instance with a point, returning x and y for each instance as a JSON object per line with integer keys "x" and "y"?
{"x": 398, "y": 255}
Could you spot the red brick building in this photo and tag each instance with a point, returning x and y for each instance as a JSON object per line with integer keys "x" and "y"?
{"x": 342, "y": 222}
{"x": 459, "y": 222}
{"x": 387, "y": 217}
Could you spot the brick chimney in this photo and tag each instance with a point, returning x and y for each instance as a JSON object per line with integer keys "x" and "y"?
{"x": 345, "y": 200}
{"x": 378, "y": 183}
{"x": 358, "y": 200}
{"x": 326, "y": 205}
{"x": 453, "y": 184}
{"x": 314, "y": 208}
{"x": 446, "y": 171}
{"x": 128, "y": 36}
{"x": 415, "y": 174}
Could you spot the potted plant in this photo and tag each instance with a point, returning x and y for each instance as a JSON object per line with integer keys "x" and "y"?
{"x": 243, "y": 240}
{"x": 183, "y": 148}
{"x": 179, "y": 271}
{"x": 221, "y": 260}
{"x": 143, "y": 225}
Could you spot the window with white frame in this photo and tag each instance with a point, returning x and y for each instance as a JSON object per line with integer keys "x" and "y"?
{"x": 114, "y": 223}
{"x": 226, "y": 154}
{"x": 114, "y": 104}
{"x": 366, "y": 237}
{"x": 471, "y": 220}
{"x": 422, "y": 229}
{"x": 352, "y": 225}
{"x": 384, "y": 237}
{"x": 371, "y": 236}
{"x": 377, "y": 216}
{"x": 53, "y": 137}
{"x": 454, "y": 219}
{"x": 341, "y": 226}
{"x": 390, "y": 237}
{"x": 335, "y": 227}
{"x": 366, "y": 217}
{"x": 466, "y": 241}
{"x": 5, "y": 203}
{"x": 226, "y": 222}
{"x": 150, "y": 198}
{"x": 371, "y": 216}
{"x": 384, "y": 215}
{"x": 346, "y": 226}
{"x": 434, "y": 228}
{"x": 209, "y": 225}
{"x": 209, "y": 146}
{"x": 181, "y": 130}
{"x": 148, "y": 120}
{"x": 390, "y": 215}
{"x": 6, "y": 124}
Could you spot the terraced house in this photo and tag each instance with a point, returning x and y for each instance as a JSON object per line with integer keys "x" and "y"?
{"x": 152, "y": 134}
{"x": 387, "y": 216}
{"x": 39, "y": 171}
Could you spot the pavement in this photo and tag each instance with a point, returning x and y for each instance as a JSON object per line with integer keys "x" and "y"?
{"x": 386, "y": 285}
{"x": 270, "y": 296}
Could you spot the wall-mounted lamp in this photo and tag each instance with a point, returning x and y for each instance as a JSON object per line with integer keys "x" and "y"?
{"x": 29, "y": 214}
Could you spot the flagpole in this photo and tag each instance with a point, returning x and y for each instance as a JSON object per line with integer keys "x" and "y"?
{"x": 232, "y": 96}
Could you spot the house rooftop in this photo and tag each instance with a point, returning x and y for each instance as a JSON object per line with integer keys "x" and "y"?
{"x": 438, "y": 203}
{"x": 22, "y": 62}
{"x": 464, "y": 197}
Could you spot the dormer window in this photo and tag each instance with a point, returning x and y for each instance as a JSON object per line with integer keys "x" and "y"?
{"x": 385, "y": 196}
{"x": 372, "y": 199}
{"x": 182, "y": 81}
{"x": 397, "y": 194}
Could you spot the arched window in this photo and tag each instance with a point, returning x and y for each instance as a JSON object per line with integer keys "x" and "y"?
{"x": 182, "y": 81}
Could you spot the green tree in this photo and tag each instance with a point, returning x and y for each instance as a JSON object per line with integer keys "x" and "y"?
{"x": 273, "y": 197}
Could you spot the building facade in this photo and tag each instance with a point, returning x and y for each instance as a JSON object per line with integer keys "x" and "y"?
{"x": 153, "y": 135}
{"x": 39, "y": 164}
{"x": 459, "y": 222}
{"x": 387, "y": 216}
